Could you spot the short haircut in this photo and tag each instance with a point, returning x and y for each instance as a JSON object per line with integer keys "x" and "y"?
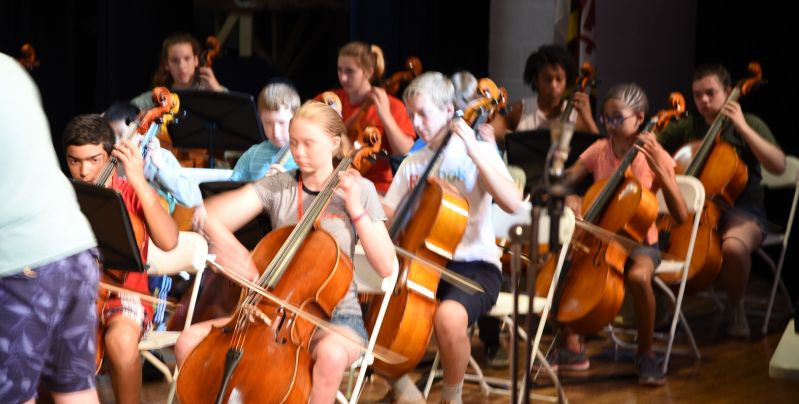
{"x": 275, "y": 96}
{"x": 713, "y": 70}
{"x": 89, "y": 129}
{"x": 434, "y": 85}
{"x": 549, "y": 55}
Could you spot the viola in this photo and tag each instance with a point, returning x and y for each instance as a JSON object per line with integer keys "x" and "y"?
{"x": 303, "y": 266}
{"x": 428, "y": 223}
{"x": 591, "y": 290}
{"x": 717, "y": 165}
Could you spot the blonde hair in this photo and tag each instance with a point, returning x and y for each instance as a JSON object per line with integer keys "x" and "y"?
{"x": 367, "y": 56}
{"x": 329, "y": 120}
{"x": 434, "y": 85}
{"x": 275, "y": 96}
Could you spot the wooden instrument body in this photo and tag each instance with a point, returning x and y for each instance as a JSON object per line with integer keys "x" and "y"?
{"x": 724, "y": 176}
{"x": 434, "y": 233}
{"x": 594, "y": 287}
{"x": 275, "y": 363}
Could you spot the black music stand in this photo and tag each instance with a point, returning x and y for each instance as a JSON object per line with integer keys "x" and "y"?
{"x": 216, "y": 120}
{"x": 528, "y": 150}
{"x": 251, "y": 233}
{"x": 107, "y": 215}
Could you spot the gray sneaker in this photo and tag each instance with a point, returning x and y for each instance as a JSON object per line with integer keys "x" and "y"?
{"x": 649, "y": 370}
{"x": 497, "y": 357}
{"x": 566, "y": 359}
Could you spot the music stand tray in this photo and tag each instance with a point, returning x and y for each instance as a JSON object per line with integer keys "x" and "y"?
{"x": 216, "y": 121}
{"x": 528, "y": 150}
{"x": 107, "y": 215}
{"x": 251, "y": 233}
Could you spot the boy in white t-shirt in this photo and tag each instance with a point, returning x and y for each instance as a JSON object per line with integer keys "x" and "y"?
{"x": 476, "y": 170}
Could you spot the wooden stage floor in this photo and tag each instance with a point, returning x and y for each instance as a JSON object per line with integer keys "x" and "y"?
{"x": 730, "y": 370}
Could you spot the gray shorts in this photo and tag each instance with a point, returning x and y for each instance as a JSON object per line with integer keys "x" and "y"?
{"x": 48, "y": 328}
{"x": 355, "y": 323}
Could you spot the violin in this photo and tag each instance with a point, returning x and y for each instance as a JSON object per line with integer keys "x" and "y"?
{"x": 303, "y": 266}
{"x": 28, "y": 57}
{"x": 143, "y": 124}
{"x": 429, "y": 223}
{"x": 724, "y": 175}
{"x": 590, "y": 292}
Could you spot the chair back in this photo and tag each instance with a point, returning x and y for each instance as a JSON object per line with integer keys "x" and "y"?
{"x": 789, "y": 178}
{"x": 503, "y": 221}
{"x": 692, "y": 191}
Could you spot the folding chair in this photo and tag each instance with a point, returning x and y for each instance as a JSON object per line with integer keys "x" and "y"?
{"x": 503, "y": 308}
{"x": 788, "y": 179}
{"x": 693, "y": 192}
{"x": 367, "y": 281}
{"x": 189, "y": 256}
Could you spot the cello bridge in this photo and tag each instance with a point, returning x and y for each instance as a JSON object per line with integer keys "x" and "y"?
{"x": 253, "y": 313}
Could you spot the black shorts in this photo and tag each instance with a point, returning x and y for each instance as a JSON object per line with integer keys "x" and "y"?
{"x": 485, "y": 274}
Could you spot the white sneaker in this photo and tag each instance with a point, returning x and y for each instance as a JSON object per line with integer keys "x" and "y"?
{"x": 736, "y": 321}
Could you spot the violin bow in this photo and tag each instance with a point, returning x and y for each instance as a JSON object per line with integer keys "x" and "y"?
{"x": 378, "y": 352}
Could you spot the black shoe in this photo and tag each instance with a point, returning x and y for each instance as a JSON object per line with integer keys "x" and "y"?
{"x": 497, "y": 356}
{"x": 650, "y": 373}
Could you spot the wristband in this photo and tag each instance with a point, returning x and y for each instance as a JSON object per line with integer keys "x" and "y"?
{"x": 359, "y": 217}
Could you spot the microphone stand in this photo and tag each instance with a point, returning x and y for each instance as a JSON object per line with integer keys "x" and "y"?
{"x": 551, "y": 196}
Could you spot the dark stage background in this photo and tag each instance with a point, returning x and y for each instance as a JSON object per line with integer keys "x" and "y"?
{"x": 95, "y": 52}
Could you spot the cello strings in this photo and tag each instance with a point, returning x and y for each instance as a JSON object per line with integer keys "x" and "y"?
{"x": 287, "y": 251}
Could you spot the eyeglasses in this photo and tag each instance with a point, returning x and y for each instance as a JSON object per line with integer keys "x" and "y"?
{"x": 614, "y": 121}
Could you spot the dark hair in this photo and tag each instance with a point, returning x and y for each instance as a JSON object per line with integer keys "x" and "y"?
{"x": 549, "y": 55}
{"x": 88, "y": 129}
{"x": 713, "y": 70}
{"x": 161, "y": 77}
{"x": 121, "y": 110}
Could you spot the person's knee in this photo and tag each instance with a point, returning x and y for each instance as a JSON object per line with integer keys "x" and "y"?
{"x": 736, "y": 249}
{"x": 640, "y": 273}
{"x": 451, "y": 320}
{"x": 122, "y": 342}
{"x": 331, "y": 358}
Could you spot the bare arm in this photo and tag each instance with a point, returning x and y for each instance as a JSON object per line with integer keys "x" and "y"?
{"x": 771, "y": 157}
{"x": 501, "y": 188}
{"x": 400, "y": 142}
{"x": 663, "y": 168}
{"x": 160, "y": 226}
{"x": 226, "y": 213}
{"x": 373, "y": 234}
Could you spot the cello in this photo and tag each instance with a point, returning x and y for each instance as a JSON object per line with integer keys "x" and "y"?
{"x": 429, "y": 223}
{"x": 591, "y": 290}
{"x": 586, "y": 78}
{"x": 146, "y": 123}
{"x": 302, "y": 265}
{"x": 717, "y": 165}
